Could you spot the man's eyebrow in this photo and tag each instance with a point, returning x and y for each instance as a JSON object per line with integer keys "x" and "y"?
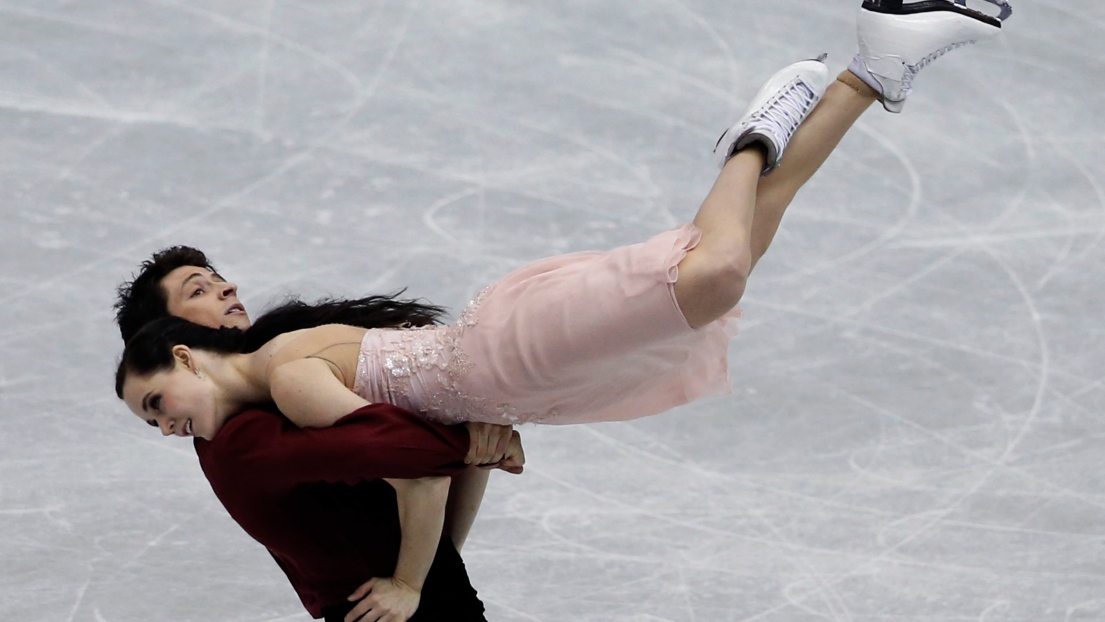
{"x": 217, "y": 277}
{"x": 190, "y": 277}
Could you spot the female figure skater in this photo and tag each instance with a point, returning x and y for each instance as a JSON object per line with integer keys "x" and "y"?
{"x": 594, "y": 336}
{"x": 578, "y": 338}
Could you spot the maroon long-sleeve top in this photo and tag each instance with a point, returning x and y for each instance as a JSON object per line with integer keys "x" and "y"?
{"x": 315, "y": 497}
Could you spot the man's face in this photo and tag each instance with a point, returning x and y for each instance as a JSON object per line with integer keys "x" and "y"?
{"x": 203, "y": 297}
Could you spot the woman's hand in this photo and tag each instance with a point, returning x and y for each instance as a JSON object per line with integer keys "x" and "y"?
{"x": 488, "y": 443}
{"x": 384, "y": 599}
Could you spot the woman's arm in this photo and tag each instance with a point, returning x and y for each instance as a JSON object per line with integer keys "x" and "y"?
{"x": 421, "y": 516}
{"x": 465, "y": 496}
{"x": 467, "y": 490}
{"x": 309, "y": 392}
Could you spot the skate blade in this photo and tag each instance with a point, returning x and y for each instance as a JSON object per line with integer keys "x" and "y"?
{"x": 1006, "y": 9}
{"x": 898, "y": 7}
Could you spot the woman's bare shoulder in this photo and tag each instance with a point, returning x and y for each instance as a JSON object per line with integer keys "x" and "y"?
{"x": 308, "y": 342}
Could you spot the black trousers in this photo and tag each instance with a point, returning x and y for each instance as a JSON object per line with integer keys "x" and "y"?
{"x": 447, "y": 595}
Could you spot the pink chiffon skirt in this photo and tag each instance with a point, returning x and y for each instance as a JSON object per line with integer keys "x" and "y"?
{"x": 593, "y": 336}
{"x": 584, "y": 337}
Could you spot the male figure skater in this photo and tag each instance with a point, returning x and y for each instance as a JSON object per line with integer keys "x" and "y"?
{"x": 316, "y": 498}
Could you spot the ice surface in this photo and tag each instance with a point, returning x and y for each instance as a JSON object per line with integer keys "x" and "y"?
{"x": 915, "y": 431}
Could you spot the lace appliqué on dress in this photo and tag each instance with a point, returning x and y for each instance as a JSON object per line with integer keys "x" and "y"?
{"x": 424, "y": 365}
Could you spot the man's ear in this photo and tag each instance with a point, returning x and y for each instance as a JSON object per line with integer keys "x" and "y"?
{"x": 183, "y": 355}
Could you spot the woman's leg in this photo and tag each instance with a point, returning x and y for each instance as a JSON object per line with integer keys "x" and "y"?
{"x": 896, "y": 41}
{"x": 817, "y": 137}
{"x": 741, "y": 214}
{"x": 712, "y": 275}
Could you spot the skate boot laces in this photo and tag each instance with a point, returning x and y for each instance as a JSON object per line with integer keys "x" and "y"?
{"x": 785, "y": 113}
{"x": 912, "y": 70}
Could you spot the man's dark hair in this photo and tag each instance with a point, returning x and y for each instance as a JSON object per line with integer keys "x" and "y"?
{"x": 142, "y": 299}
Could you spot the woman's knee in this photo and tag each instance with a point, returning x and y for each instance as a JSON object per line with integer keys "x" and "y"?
{"x": 708, "y": 289}
{"x": 727, "y": 274}
{"x": 730, "y": 279}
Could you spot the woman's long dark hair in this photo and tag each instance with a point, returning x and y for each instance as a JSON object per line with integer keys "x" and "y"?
{"x": 371, "y": 312}
{"x": 150, "y": 350}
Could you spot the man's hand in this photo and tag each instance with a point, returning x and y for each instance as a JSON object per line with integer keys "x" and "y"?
{"x": 514, "y": 458}
{"x": 384, "y": 599}
{"x": 488, "y": 443}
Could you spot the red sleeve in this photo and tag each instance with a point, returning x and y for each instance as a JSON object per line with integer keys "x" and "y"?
{"x": 374, "y": 442}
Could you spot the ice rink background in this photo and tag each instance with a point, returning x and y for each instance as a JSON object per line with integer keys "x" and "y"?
{"x": 915, "y": 431}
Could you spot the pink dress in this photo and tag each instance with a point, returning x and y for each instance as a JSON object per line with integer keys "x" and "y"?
{"x": 584, "y": 337}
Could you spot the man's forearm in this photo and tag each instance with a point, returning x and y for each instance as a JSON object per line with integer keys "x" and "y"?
{"x": 421, "y": 517}
{"x": 465, "y": 496}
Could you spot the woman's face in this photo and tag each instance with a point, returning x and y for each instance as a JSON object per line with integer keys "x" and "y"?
{"x": 180, "y": 401}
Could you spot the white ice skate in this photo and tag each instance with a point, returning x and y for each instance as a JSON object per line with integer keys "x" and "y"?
{"x": 776, "y": 111}
{"x": 896, "y": 40}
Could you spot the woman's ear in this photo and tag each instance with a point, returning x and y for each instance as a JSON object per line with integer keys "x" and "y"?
{"x": 183, "y": 355}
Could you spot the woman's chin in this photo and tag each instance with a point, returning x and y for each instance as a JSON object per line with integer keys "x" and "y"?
{"x": 210, "y": 428}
